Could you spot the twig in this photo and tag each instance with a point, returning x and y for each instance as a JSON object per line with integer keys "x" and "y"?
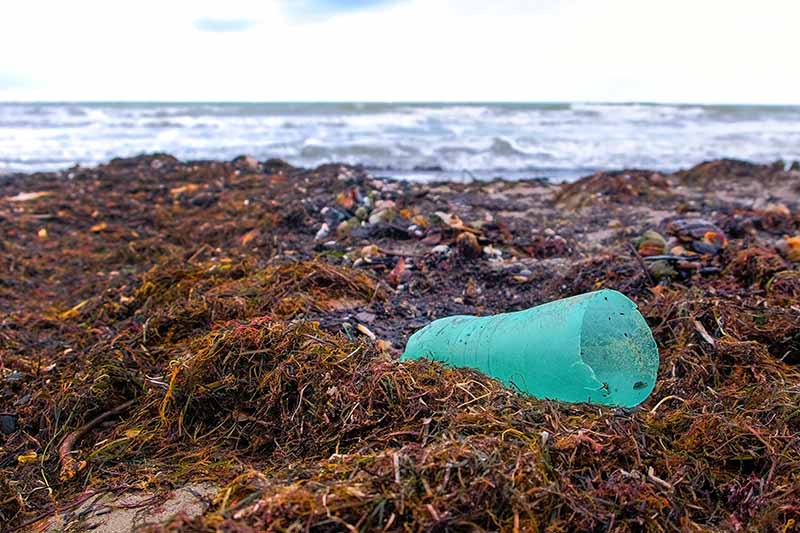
{"x": 672, "y": 258}
{"x": 70, "y": 467}
{"x": 399, "y": 254}
{"x": 198, "y": 252}
{"x": 641, "y": 264}
{"x": 664, "y": 399}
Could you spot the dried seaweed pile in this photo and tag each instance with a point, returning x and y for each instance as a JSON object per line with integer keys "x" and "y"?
{"x": 202, "y": 358}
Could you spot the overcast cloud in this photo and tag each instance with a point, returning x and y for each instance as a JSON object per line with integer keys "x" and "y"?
{"x": 718, "y": 51}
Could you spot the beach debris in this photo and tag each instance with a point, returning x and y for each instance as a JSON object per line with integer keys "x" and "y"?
{"x": 420, "y": 221}
{"x": 368, "y": 252}
{"x": 621, "y": 187}
{"x": 334, "y": 215}
{"x": 756, "y": 265}
{"x": 28, "y": 457}
{"x": 492, "y": 253}
{"x": 365, "y": 317}
{"x": 364, "y": 330}
{"x": 28, "y": 196}
{"x": 323, "y": 232}
{"x": 8, "y": 423}
{"x": 452, "y": 221}
{"x": 662, "y": 270}
{"x": 594, "y": 348}
{"x": 433, "y": 238}
{"x": 348, "y": 198}
{"x": 468, "y": 246}
{"x": 242, "y": 370}
{"x": 790, "y": 247}
{"x": 699, "y": 234}
{"x": 346, "y": 227}
{"x": 441, "y": 249}
{"x": 651, "y": 243}
{"x": 71, "y": 466}
{"x": 42, "y": 234}
{"x": 181, "y": 190}
{"x": 548, "y": 245}
{"x": 384, "y": 211}
{"x": 246, "y": 162}
{"x": 398, "y": 273}
{"x": 710, "y": 174}
{"x": 250, "y": 236}
{"x": 784, "y": 287}
{"x": 775, "y": 218}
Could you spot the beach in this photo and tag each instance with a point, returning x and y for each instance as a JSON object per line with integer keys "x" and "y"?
{"x": 230, "y": 329}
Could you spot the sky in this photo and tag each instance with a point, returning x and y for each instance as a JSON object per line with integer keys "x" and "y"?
{"x": 695, "y": 51}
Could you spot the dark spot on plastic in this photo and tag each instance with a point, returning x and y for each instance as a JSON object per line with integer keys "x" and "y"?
{"x": 639, "y": 385}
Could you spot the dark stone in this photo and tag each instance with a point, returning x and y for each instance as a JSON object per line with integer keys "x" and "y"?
{"x": 204, "y": 199}
{"x": 334, "y": 216}
{"x": 8, "y": 424}
{"x": 702, "y": 247}
{"x": 381, "y": 230}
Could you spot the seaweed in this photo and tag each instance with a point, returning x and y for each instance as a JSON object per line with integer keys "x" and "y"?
{"x": 178, "y": 323}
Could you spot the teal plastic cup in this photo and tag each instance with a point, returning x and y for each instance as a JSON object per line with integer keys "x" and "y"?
{"x": 594, "y": 348}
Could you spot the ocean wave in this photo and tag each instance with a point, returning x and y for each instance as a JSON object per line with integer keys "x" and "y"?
{"x": 485, "y": 139}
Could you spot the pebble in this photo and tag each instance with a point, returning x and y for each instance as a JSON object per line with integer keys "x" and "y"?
{"x": 662, "y": 270}
{"x": 492, "y": 253}
{"x": 365, "y": 317}
{"x": 651, "y": 243}
{"x": 385, "y": 204}
{"x": 8, "y": 424}
{"x": 323, "y": 232}
{"x": 381, "y": 215}
{"x": 347, "y": 226}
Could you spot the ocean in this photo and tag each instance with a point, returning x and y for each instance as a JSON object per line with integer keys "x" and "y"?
{"x": 413, "y": 141}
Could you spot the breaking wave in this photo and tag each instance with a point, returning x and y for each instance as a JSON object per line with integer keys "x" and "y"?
{"x": 513, "y": 140}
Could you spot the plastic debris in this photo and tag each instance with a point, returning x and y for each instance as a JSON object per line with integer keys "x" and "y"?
{"x": 594, "y": 348}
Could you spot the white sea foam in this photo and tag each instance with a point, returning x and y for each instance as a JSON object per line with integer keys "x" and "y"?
{"x": 515, "y": 140}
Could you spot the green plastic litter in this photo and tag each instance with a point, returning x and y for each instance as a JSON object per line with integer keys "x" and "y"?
{"x": 594, "y": 347}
